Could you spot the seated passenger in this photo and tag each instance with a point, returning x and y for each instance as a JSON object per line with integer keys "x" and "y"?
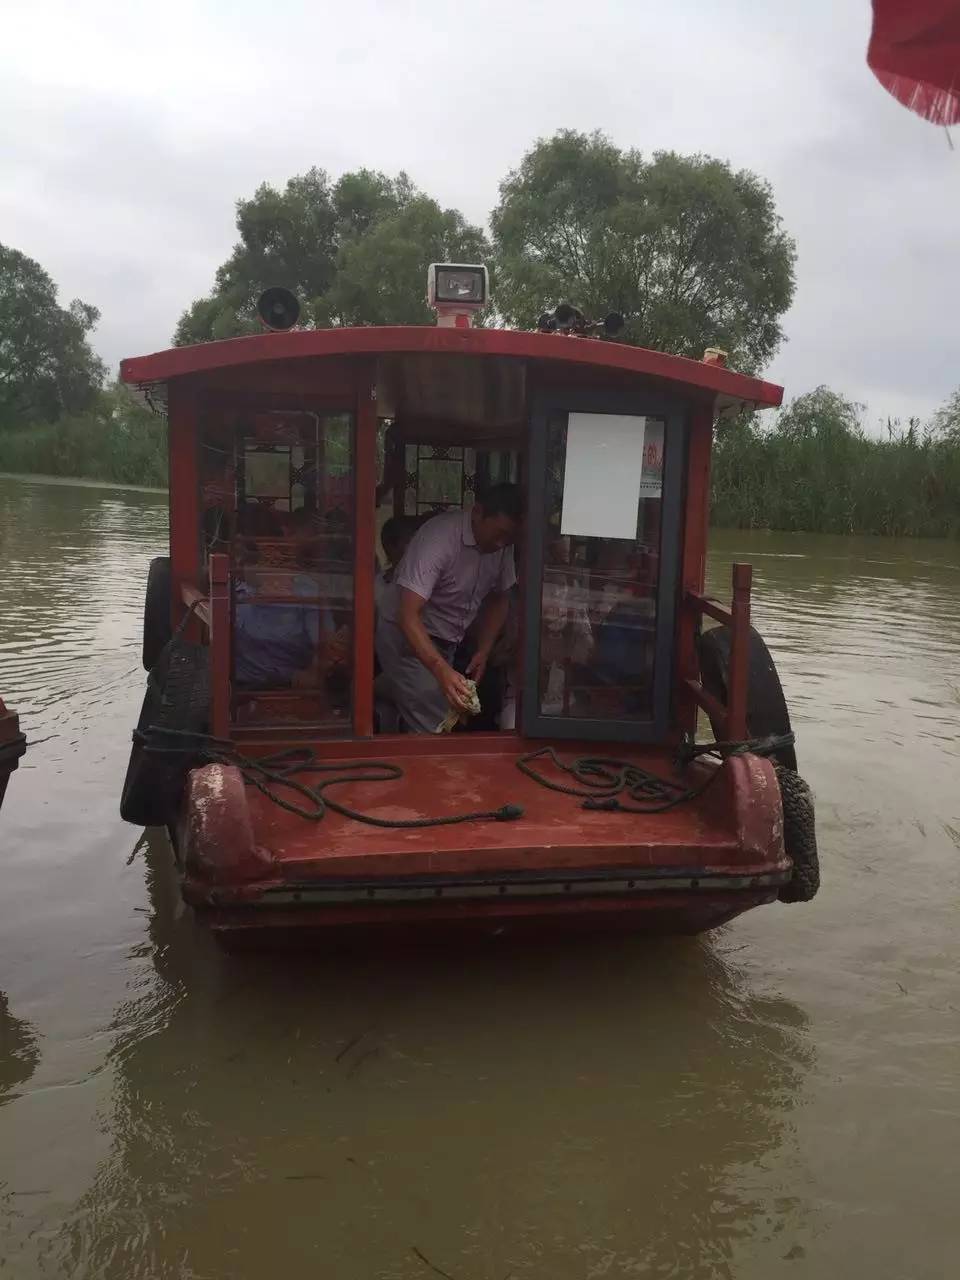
{"x": 281, "y": 643}
{"x": 258, "y": 520}
{"x": 624, "y": 651}
{"x": 394, "y": 538}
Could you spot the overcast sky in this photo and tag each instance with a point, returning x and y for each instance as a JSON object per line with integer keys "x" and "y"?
{"x": 128, "y": 130}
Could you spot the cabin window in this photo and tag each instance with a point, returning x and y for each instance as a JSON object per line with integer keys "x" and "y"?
{"x": 267, "y": 474}
{"x": 438, "y": 477}
{"x": 280, "y": 499}
{"x": 600, "y": 567}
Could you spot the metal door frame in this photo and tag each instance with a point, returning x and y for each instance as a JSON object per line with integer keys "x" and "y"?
{"x": 635, "y": 404}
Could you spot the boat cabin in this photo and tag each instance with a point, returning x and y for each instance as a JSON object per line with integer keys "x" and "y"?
{"x": 291, "y": 452}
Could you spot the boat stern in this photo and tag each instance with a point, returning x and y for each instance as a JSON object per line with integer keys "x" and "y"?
{"x": 251, "y": 863}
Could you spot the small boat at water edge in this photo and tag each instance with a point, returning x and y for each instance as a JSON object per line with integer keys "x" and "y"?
{"x": 13, "y": 744}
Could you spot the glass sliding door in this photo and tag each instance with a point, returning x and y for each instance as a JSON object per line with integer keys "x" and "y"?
{"x": 601, "y": 565}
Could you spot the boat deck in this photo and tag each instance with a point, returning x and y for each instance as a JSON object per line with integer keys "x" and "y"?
{"x": 555, "y": 832}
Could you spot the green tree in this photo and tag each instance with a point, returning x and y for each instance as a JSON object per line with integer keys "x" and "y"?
{"x": 354, "y": 252}
{"x": 47, "y": 366}
{"x": 691, "y": 251}
{"x": 946, "y": 421}
{"x": 382, "y": 272}
{"x": 822, "y": 415}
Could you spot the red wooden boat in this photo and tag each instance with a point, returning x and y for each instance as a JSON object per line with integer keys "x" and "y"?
{"x": 298, "y": 805}
{"x": 12, "y": 746}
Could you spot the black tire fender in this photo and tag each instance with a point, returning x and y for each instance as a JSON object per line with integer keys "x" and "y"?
{"x": 799, "y": 837}
{"x": 177, "y": 697}
{"x": 767, "y": 712}
{"x": 157, "y": 629}
{"x": 767, "y": 715}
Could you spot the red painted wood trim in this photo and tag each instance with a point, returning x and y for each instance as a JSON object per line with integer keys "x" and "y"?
{"x": 220, "y": 645}
{"x": 712, "y": 706}
{"x": 693, "y": 564}
{"x": 389, "y": 746}
{"x": 303, "y": 344}
{"x": 739, "y": 676}
{"x": 365, "y": 504}
{"x": 701, "y": 604}
{"x": 184, "y": 492}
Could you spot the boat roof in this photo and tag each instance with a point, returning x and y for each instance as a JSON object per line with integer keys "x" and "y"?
{"x": 151, "y": 373}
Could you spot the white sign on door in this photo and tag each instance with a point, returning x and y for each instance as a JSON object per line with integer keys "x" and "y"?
{"x": 612, "y": 461}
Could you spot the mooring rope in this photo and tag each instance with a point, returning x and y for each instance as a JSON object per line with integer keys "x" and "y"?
{"x": 280, "y": 770}
{"x": 601, "y": 780}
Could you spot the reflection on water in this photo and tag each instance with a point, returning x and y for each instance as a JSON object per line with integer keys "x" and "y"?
{"x": 19, "y": 1051}
{"x": 778, "y": 1097}
{"x": 591, "y": 1108}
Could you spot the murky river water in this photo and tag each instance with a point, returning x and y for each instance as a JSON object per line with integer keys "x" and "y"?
{"x": 779, "y": 1098}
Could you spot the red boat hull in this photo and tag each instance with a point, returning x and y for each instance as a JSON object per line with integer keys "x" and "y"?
{"x": 251, "y": 867}
{"x": 653, "y": 913}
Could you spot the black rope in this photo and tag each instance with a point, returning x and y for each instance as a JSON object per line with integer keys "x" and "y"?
{"x": 768, "y": 746}
{"x": 601, "y": 781}
{"x": 280, "y": 770}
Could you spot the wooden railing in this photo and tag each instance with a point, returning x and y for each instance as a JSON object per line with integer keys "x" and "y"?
{"x": 729, "y": 720}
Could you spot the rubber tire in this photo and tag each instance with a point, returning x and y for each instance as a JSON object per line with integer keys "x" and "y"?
{"x": 177, "y": 697}
{"x": 767, "y": 714}
{"x": 766, "y": 705}
{"x": 799, "y": 837}
{"x": 157, "y": 629}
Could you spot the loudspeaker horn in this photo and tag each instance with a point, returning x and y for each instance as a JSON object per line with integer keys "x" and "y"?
{"x": 278, "y": 309}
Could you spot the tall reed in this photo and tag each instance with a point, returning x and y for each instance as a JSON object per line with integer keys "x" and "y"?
{"x": 817, "y": 470}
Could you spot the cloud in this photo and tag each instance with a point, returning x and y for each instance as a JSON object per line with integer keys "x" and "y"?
{"x": 129, "y": 136}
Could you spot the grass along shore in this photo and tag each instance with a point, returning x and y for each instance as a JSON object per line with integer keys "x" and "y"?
{"x": 117, "y": 441}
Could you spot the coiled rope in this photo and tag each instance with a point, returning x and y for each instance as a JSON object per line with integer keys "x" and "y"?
{"x": 599, "y": 780}
{"x": 602, "y": 781}
{"x": 285, "y": 770}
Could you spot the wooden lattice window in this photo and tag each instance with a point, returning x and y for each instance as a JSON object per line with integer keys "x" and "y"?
{"x": 439, "y": 478}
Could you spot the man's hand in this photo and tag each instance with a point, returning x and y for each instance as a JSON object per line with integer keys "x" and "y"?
{"x": 454, "y": 686}
{"x": 478, "y": 664}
